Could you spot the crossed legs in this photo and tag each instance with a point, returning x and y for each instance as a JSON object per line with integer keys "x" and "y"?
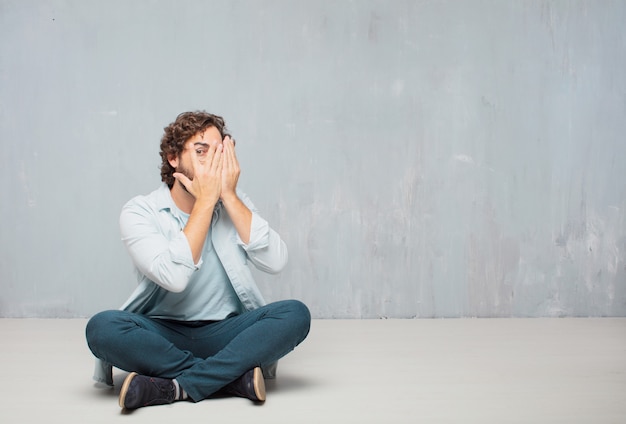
{"x": 202, "y": 357}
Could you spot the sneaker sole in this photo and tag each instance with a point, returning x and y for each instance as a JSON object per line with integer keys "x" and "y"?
{"x": 124, "y": 389}
{"x": 259, "y": 384}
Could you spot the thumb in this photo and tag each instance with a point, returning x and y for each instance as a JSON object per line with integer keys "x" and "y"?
{"x": 183, "y": 179}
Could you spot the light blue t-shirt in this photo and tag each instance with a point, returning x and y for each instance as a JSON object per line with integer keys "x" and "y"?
{"x": 209, "y": 295}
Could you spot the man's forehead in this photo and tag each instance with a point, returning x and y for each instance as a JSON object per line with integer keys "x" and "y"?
{"x": 210, "y": 134}
{"x": 204, "y": 138}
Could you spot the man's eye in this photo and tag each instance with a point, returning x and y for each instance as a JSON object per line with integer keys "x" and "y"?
{"x": 201, "y": 151}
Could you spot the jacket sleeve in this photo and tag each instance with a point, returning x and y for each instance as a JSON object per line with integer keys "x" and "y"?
{"x": 166, "y": 261}
{"x": 266, "y": 250}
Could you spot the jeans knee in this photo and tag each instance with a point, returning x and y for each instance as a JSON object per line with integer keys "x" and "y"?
{"x": 300, "y": 317}
{"x": 97, "y": 329}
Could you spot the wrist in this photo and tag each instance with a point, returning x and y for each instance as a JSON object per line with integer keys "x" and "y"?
{"x": 204, "y": 204}
{"x": 229, "y": 197}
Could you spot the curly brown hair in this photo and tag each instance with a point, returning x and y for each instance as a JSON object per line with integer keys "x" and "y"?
{"x": 186, "y": 125}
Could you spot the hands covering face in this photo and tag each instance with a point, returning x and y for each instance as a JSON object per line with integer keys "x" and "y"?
{"x": 214, "y": 170}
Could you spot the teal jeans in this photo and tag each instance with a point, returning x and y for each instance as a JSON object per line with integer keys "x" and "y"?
{"x": 203, "y": 356}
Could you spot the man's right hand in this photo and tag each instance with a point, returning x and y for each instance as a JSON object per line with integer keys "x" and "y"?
{"x": 206, "y": 184}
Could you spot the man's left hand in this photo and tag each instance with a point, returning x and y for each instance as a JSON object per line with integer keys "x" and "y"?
{"x": 230, "y": 169}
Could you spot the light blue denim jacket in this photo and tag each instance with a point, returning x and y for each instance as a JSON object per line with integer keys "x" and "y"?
{"x": 151, "y": 228}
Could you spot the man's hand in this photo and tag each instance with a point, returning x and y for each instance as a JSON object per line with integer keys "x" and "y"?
{"x": 239, "y": 214}
{"x": 205, "y": 186}
{"x": 207, "y": 164}
{"x": 230, "y": 169}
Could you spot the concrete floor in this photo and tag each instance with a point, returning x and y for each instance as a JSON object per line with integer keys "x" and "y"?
{"x": 350, "y": 371}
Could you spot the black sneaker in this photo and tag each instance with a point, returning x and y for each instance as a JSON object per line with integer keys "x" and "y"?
{"x": 139, "y": 390}
{"x": 251, "y": 385}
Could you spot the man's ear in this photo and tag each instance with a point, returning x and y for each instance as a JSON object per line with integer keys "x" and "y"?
{"x": 173, "y": 160}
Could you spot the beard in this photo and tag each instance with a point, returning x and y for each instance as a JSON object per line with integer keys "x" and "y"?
{"x": 187, "y": 173}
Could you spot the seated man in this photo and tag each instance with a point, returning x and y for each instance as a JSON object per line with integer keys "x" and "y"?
{"x": 196, "y": 325}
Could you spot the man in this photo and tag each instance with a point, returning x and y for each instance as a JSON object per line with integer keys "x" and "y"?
{"x": 196, "y": 325}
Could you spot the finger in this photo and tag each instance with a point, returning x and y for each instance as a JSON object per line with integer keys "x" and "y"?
{"x": 182, "y": 179}
{"x": 230, "y": 142}
{"x": 233, "y": 154}
{"x": 217, "y": 158}
{"x": 234, "y": 162}
{"x": 219, "y": 163}
{"x": 227, "y": 161}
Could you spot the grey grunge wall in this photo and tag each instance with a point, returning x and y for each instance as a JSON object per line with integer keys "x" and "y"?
{"x": 420, "y": 158}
